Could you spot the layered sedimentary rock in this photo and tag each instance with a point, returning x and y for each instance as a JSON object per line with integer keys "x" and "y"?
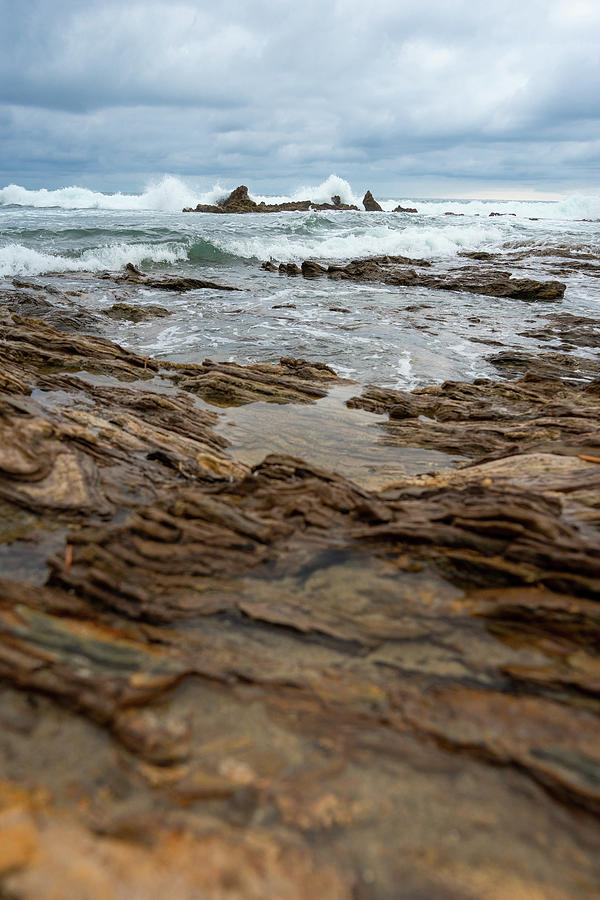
{"x": 398, "y": 271}
{"x": 270, "y": 682}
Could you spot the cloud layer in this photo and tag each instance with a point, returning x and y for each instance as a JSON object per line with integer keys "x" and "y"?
{"x": 398, "y": 94}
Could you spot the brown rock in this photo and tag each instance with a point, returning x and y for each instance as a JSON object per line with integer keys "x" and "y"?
{"x": 289, "y": 269}
{"x": 311, "y": 269}
{"x": 370, "y": 204}
{"x": 239, "y": 202}
{"x": 391, "y": 270}
{"x": 127, "y": 312}
{"x": 243, "y": 684}
{"x": 168, "y": 282}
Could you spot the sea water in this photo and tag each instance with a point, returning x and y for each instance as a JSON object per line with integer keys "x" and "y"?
{"x": 394, "y": 336}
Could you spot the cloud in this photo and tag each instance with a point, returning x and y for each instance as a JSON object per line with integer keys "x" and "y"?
{"x": 276, "y": 90}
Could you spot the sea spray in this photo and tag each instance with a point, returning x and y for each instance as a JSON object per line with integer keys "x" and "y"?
{"x": 171, "y": 194}
{"x": 15, "y": 259}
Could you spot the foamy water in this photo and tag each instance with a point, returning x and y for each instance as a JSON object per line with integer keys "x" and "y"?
{"x": 172, "y": 194}
{"x": 400, "y": 337}
{"x": 15, "y": 259}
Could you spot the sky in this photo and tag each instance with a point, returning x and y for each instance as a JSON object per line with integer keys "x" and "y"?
{"x": 407, "y": 97}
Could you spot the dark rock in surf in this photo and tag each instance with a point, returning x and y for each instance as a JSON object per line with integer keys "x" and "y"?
{"x": 405, "y": 209}
{"x": 132, "y": 275}
{"x": 393, "y": 271}
{"x": 311, "y": 269}
{"x": 239, "y": 202}
{"x": 289, "y": 269}
{"x": 370, "y": 203}
{"x": 127, "y": 312}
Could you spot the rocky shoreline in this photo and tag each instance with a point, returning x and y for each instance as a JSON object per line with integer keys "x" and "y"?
{"x": 309, "y": 687}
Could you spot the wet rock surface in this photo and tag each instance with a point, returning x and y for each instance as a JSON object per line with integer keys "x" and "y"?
{"x": 132, "y": 275}
{"x": 494, "y": 418}
{"x": 370, "y": 203}
{"x": 269, "y": 682}
{"x": 394, "y": 270}
{"x": 572, "y": 331}
{"x": 130, "y": 313}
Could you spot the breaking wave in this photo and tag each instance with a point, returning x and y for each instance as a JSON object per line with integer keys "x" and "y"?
{"x": 16, "y": 259}
{"x": 172, "y": 194}
{"x": 168, "y": 194}
{"x": 575, "y": 208}
{"x": 380, "y": 240}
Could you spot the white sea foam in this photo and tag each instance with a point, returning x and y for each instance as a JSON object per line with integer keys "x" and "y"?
{"x": 171, "y": 194}
{"x": 405, "y": 374}
{"x": 320, "y": 193}
{"x": 15, "y": 259}
{"x": 168, "y": 194}
{"x": 379, "y": 240}
{"x": 576, "y": 207}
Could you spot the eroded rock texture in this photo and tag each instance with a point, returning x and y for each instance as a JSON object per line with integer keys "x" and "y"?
{"x": 271, "y": 683}
{"x": 393, "y": 270}
{"x": 239, "y": 202}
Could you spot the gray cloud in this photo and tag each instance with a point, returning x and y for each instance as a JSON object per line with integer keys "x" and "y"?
{"x": 278, "y": 92}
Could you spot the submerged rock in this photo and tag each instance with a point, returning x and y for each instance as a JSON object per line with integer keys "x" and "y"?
{"x": 549, "y": 365}
{"x": 573, "y": 331}
{"x": 132, "y": 275}
{"x": 130, "y": 313}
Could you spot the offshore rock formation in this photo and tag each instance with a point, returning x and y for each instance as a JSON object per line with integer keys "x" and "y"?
{"x": 370, "y": 204}
{"x": 272, "y": 683}
{"x": 239, "y": 202}
{"x": 393, "y": 270}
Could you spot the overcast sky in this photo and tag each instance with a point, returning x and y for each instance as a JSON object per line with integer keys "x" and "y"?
{"x": 404, "y": 96}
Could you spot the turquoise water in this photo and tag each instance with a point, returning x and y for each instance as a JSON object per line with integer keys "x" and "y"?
{"x": 373, "y": 333}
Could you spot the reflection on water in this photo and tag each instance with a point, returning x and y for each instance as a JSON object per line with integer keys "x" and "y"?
{"x": 329, "y": 435}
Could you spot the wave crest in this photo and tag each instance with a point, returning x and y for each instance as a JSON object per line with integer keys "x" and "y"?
{"x": 172, "y": 194}
{"x": 16, "y": 259}
{"x": 411, "y": 241}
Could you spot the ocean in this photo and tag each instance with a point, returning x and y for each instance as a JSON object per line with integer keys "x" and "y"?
{"x": 401, "y": 337}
